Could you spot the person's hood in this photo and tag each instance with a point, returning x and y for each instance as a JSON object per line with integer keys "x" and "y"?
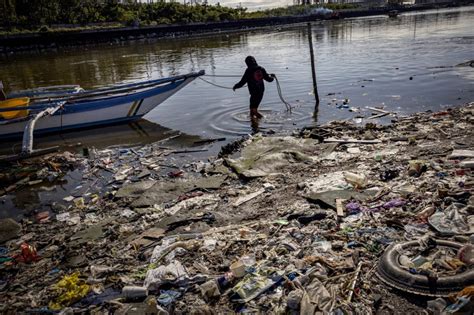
{"x": 250, "y": 61}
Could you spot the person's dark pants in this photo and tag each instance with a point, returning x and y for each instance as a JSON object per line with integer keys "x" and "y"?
{"x": 255, "y": 100}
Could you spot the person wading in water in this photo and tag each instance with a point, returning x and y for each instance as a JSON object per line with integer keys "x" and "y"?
{"x": 254, "y": 76}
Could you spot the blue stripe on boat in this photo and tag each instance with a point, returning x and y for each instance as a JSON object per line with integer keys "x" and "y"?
{"x": 90, "y": 105}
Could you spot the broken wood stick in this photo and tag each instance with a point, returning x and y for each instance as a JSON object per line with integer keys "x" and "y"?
{"x": 354, "y": 281}
{"x": 375, "y": 109}
{"x": 339, "y": 207}
{"x": 378, "y": 116}
{"x": 332, "y": 140}
{"x": 189, "y": 151}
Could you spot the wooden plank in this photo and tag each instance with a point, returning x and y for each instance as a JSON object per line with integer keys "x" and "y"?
{"x": 339, "y": 207}
{"x": 375, "y": 109}
{"x": 378, "y": 116}
{"x": 333, "y": 140}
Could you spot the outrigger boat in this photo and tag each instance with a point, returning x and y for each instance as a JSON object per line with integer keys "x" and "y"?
{"x": 61, "y": 108}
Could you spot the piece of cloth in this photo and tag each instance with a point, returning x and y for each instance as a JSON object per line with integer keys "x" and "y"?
{"x": 254, "y": 76}
{"x": 316, "y": 299}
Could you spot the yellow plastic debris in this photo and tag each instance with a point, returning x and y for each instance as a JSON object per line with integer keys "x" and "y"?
{"x": 467, "y": 291}
{"x": 69, "y": 289}
{"x": 14, "y": 102}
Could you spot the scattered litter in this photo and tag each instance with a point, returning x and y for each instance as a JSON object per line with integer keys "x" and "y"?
{"x": 327, "y": 220}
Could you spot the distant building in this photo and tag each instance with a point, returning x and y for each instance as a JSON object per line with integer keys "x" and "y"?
{"x": 432, "y": 1}
{"x": 154, "y": 1}
{"x": 366, "y": 2}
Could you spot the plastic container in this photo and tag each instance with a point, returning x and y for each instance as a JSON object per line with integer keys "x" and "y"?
{"x": 238, "y": 269}
{"x": 134, "y": 292}
{"x": 248, "y": 260}
{"x": 357, "y": 180}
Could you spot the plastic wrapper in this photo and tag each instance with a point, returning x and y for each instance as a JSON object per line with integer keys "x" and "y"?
{"x": 69, "y": 289}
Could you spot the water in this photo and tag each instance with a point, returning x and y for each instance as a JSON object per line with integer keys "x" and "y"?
{"x": 367, "y": 60}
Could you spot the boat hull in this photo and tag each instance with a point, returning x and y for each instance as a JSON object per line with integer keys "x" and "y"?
{"x": 100, "y": 111}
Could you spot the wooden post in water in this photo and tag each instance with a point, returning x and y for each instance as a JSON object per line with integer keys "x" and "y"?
{"x": 313, "y": 70}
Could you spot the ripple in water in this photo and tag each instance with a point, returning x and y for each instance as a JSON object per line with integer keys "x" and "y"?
{"x": 236, "y": 120}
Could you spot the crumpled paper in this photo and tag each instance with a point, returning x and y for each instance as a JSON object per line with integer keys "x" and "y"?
{"x": 453, "y": 220}
{"x": 156, "y": 277}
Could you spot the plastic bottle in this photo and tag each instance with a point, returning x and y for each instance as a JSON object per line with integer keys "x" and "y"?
{"x": 357, "y": 180}
{"x": 134, "y": 292}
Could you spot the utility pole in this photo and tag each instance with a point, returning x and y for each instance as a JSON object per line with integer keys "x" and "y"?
{"x": 313, "y": 70}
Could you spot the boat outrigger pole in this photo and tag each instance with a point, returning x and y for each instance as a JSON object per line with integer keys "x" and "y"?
{"x": 27, "y": 146}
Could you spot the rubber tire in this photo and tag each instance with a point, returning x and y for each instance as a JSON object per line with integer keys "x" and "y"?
{"x": 390, "y": 271}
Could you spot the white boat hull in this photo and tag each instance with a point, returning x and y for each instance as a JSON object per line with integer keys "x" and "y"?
{"x": 122, "y": 109}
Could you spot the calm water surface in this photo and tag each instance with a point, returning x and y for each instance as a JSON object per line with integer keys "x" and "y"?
{"x": 367, "y": 60}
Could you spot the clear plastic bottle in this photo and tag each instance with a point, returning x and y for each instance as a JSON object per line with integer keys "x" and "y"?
{"x": 357, "y": 180}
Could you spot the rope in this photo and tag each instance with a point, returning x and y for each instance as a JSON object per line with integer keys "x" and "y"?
{"x": 221, "y": 86}
{"x": 222, "y": 75}
{"x": 287, "y": 105}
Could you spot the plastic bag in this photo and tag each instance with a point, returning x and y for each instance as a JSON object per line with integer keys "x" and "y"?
{"x": 70, "y": 289}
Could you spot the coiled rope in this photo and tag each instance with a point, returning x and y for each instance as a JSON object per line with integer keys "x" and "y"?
{"x": 287, "y": 105}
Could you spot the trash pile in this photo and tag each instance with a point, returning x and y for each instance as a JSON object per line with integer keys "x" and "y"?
{"x": 336, "y": 219}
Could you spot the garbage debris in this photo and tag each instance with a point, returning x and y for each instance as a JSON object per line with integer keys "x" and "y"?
{"x": 69, "y": 289}
{"x": 426, "y": 267}
{"x": 327, "y": 220}
{"x": 9, "y": 229}
{"x": 134, "y": 293}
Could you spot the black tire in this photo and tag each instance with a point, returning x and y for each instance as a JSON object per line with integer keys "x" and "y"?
{"x": 390, "y": 271}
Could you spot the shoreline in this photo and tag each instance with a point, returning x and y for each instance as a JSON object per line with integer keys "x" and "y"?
{"x": 54, "y": 40}
{"x": 284, "y": 206}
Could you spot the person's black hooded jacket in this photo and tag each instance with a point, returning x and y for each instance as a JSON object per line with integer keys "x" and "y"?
{"x": 254, "y": 76}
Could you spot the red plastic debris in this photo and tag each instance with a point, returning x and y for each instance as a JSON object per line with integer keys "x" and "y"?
{"x": 28, "y": 254}
{"x": 42, "y": 217}
{"x": 178, "y": 173}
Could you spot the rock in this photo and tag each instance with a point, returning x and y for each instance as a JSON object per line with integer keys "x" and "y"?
{"x": 9, "y": 229}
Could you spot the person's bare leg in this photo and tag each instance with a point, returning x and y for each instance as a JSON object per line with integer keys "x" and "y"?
{"x": 254, "y": 125}
{"x": 253, "y": 113}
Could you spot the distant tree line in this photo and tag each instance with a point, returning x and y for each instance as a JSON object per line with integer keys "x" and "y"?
{"x": 34, "y": 13}
{"x": 31, "y": 14}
